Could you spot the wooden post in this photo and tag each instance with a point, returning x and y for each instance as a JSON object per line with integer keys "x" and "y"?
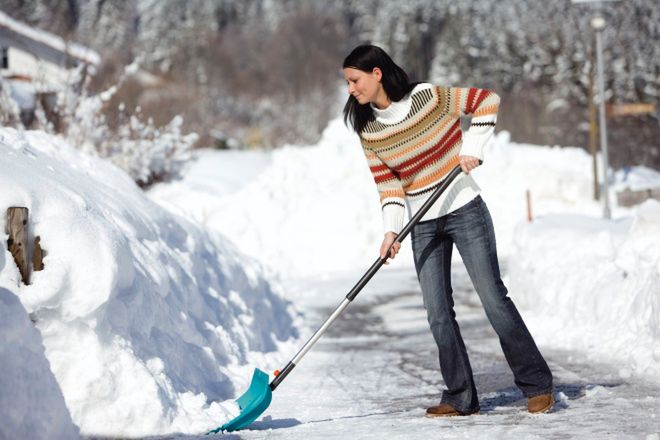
{"x": 17, "y": 229}
{"x": 38, "y": 255}
{"x": 529, "y": 206}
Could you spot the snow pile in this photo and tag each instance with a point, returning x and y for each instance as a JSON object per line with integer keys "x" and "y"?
{"x": 146, "y": 318}
{"x": 311, "y": 210}
{"x": 559, "y": 180}
{"x": 31, "y": 401}
{"x": 593, "y": 285}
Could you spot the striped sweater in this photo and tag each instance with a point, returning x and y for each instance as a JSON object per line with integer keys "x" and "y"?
{"x": 415, "y": 142}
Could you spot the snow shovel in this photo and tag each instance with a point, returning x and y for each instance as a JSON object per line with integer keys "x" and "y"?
{"x": 257, "y": 398}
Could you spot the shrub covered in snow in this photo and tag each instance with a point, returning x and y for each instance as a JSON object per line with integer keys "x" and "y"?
{"x": 146, "y": 152}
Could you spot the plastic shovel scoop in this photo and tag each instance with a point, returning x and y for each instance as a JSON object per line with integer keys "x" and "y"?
{"x": 257, "y": 398}
{"x": 252, "y": 403}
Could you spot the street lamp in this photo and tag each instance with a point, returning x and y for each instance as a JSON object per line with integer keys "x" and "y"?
{"x": 598, "y": 24}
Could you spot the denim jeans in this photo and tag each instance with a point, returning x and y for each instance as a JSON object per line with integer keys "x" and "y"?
{"x": 471, "y": 229}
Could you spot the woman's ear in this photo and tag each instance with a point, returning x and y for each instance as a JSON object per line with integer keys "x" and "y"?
{"x": 377, "y": 73}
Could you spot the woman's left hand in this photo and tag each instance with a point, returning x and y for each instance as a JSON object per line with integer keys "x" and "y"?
{"x": 468, "y": 163}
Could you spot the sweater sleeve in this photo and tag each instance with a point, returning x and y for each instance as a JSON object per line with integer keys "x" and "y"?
{"x": 391, "y": 192}
{"x": 483, "y": 105}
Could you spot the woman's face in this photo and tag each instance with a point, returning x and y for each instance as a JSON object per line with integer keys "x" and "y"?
{"x": 364, "y": 86}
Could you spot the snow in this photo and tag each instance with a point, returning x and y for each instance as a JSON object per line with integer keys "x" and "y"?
{"x": 303, "y": 210}
{"x": 147, "y": 319}
{"x": 637, "y": 178}
{"x": 32, "y": 404}
{"x": 593, "y": 285}
{"x": 376, "y": 370}
{"x": 154, "y": 309}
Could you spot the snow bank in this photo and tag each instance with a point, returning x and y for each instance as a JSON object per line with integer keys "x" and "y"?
{"x": 31, "y": 401}
{"x": 559, "y": 180}
{"x": 593, "y": 285}
{"x": 311, "y": 210}
{"x": 147, "y": 319}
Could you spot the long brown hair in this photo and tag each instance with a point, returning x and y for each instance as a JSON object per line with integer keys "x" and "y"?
{"x": 395, "y": 82}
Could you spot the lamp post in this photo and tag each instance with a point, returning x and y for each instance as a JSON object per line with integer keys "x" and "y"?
{"x": 598, "y": 24}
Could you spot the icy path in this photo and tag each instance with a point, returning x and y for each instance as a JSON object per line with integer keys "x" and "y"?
{"x": 375, "y": 372}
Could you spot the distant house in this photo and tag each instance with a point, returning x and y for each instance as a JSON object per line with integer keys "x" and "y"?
{"x": 36, "y": 64}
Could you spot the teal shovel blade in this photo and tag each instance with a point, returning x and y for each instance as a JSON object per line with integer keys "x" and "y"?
{"x": 252, "y": 403}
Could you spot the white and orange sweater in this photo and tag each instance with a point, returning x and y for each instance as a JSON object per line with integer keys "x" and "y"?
{"x": 414, "y": 143}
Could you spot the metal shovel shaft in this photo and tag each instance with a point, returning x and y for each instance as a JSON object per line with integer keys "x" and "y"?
{"x": 365, "y": 278}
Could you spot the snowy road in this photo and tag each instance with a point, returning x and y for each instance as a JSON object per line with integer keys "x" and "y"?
{"x": 376, "y": 371}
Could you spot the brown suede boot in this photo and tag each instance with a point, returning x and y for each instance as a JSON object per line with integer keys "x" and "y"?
{"x": 540, "y": 404}
{"x": 446, "y": 410}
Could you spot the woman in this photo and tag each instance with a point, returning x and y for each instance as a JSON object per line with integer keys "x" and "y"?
{"x": 411, "y": 136}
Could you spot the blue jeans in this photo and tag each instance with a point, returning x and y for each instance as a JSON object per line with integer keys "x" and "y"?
{"x": 471, "y": 229}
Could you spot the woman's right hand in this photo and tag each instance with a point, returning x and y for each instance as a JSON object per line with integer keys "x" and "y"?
{"x": 390, "y": 237}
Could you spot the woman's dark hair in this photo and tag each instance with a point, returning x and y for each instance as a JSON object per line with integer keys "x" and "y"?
{"x": 395, "y": 82}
